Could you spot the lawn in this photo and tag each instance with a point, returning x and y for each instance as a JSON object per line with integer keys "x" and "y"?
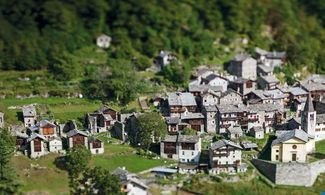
{"x": 320, "y": 146}
{"x": 62, "y": 108}
{"x": 53, "y": 180}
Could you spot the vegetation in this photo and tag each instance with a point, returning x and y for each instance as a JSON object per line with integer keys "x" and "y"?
{"x": 98, "y": 181}
{"x": 57, "y": 36}
{"x": 320, "y": 146}
{"x": 188, "y": 131}
{"x": 8, "y": 183}
{"x": 151, "y": 127}
{"x": 77, "y": 161}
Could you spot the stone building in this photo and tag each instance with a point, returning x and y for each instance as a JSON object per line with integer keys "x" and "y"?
{"x": 76, "y": 137}
{"x": 184, "y": 148}
{"x": 37, "y": 145}
{"x": 30, "y": 116}
{"x": 243, "y": 66}
{"x": 103, "y": 41}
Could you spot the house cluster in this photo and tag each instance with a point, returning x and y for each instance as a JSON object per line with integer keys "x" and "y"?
{"x": 248, "y": 100}
{"x": 41, "y": 137}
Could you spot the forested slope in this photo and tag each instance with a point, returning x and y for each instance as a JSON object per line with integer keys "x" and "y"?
{"x": 44, "y": 34}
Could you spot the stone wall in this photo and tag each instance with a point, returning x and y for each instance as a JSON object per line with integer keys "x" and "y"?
{"x": 299, "y": 174}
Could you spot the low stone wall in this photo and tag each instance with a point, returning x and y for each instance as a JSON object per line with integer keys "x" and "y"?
{"x": 299, "y": 174}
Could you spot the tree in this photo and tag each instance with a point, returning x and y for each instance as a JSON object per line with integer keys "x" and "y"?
{"x": 8, "y": 185}
{"x": 77, "y": 161}
{"x": 151, "y": 127}
{"x": 98, "y": 181}
{"x": 188, "y": 131}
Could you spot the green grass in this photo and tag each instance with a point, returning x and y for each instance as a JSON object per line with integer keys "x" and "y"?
{"x": 125, "y": 156}
{"x": 50, "y": 180}
{"x": 62, "y": 108}
{"x": 320, "y": 146}
{"x": 55, "y": 181}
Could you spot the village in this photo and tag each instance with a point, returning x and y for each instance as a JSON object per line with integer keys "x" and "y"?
{"x": 225, "y": 122}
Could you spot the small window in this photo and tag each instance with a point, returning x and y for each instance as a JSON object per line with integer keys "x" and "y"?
{"x": 277, "y": 150}
{"x": 183, "y": 153}
{"x": 276, "y": 157}
{"x": 294, "y": 147}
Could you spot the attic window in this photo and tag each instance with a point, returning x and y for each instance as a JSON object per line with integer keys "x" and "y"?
{"x": 294, "y": 147}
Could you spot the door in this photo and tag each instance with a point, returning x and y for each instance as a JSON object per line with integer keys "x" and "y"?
{"x": 294, "y": 157}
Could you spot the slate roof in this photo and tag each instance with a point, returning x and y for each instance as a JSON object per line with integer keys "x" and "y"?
{"x": 297, "y": 91}
{"x": 309, "y": 107}
{"x": 267, "y": 107}
{"x": 201, "y": 88}
{"x": 241, "y": 57}
{"x": 270, "y": 79}
{"x": 29, "y": 110}
{"x": 75, "y": 132}
{"x": 34, "y": 136}
{"x": 43, "y": 123}
{"x": 249, "y": 145}
{"x": 221, "y": 143}
{"x": 210, "y": 77}
{"x": 172, "y": 120}
{"x": 240, "y": 80}
{"x": 257, "y": 129}
{"x": 266, "y": 69}
{"x": 313, "y": 86}
{"x": 235, "y": 130}
{"x": 182, "y": 138}
{"x": 181, "y": 99}
{"x": 230, "y": 108}
{"x": 229, "y": 91}
{"x": 296, "y": 133}
{"x": 191, "y": 115}
{"x": 274, "y": 93}
{"x": 210, "y": 108}
{"x": 276, "y": 55}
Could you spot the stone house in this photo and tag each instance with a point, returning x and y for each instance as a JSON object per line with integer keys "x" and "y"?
{"x": 231, "y": 97}
{"x": 103, "y": 41}
{"x": 210, "y": 98}
{"x": 76, "y": 137}
{"x": 124, "y": 126}
{"x": 274, "y": 96}
{"x": 268, "y": 82}
{"x": 243, "y": 66}
{"x": 30, "y": 116}
{"x": 181, "y": 102}
{"x": 210, "y": 114}
{"x": 174, "y": 125}
{"x": 21, "y": 138}
{"x": 194, "y": 121}
{"x": 263, "y": 70}
{"x": 198, "y": 89}
{"x": 292, "y": 146}
{"x": 2, "y": 121}
{"x": 257, "y": 132}
{"x": 225, "y": 156}
{"x": 229, "y": 116}
{"x": 271, "y": 59}
{"x": 47, "y": 129}
{"x": 37, "y": 146}
{"x": 164, "y": 58}
{"x": 234, "y": 132}
{"x": 55, "y": 144}
{"x": 101, "y": 120}
{"x": 242, "y": 85}
{"x": 66, "y": 127}
{"x": 96, "y": 146}
{"x": 315, "y": 85}
{"x": 184, "y": 148}
{"x": 130, "y": 183}
{"x": 216, "y": 80}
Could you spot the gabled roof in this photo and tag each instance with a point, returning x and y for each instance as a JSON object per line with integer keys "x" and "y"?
{"x": 309, "y": 107}
{"x": 182, "y": 138}
{"x": 172, "y": 120}
{"x": 210, "y": 108}
{"x": 297, "y": 91}
{"x": 191, "y": 115}
{"x": 266, "y": 69}
{"x": 29, "y": 110}
{"x": 249, "y": 145}
{"x": 229, "y": 91}
{"x": 241, "y": 57}
{"x": 181, "y": 99}
{"x": 44, "y": 123}
{"x": 201, "y": 88}
{"x": 234, "y": 130}
{"x": 270, "y": 79}
{"x": 222, "y": 143}
{"x": 212, "y": 76}
{"x": 297, "y": 133}
{"x": 34, "y": 136}
{"x": 75, "y": 132}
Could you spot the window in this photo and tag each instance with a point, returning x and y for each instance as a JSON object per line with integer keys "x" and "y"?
{"x": 192, "y": 153}
{"x": 183, "y": 153}
{"x": 294, "y": 147}
{"x": 277, "y": 150}
{"x": 188, "y": 146}
{"x": 276, "y": 157}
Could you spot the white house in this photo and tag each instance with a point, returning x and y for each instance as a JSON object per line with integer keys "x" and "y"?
{"x": 103, "y": 41}
{"x": 225, "y": 156}
{"x": 29, "y": 114}
{"x": 55, "y": 144}
{"x": 96, "y": 146}
{"x": 216, "y": 80}
{"x": 37, "y": 145}
{"x": 257, "y": 132}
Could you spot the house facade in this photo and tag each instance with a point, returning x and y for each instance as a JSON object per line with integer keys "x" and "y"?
{"x": 184, "y": 148}
{"x": 96, "y": 146}
{"x": 225, "y": 156}
{"x": 30, "y": 116}
{"x": 55, "y": 144}
{"x": 76, "y": 137}
{"x": 37, "y": 146}
{"x": 243, "y": 66}
{"x": 103, "y": 41}
{"x": 180, "y": 102}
